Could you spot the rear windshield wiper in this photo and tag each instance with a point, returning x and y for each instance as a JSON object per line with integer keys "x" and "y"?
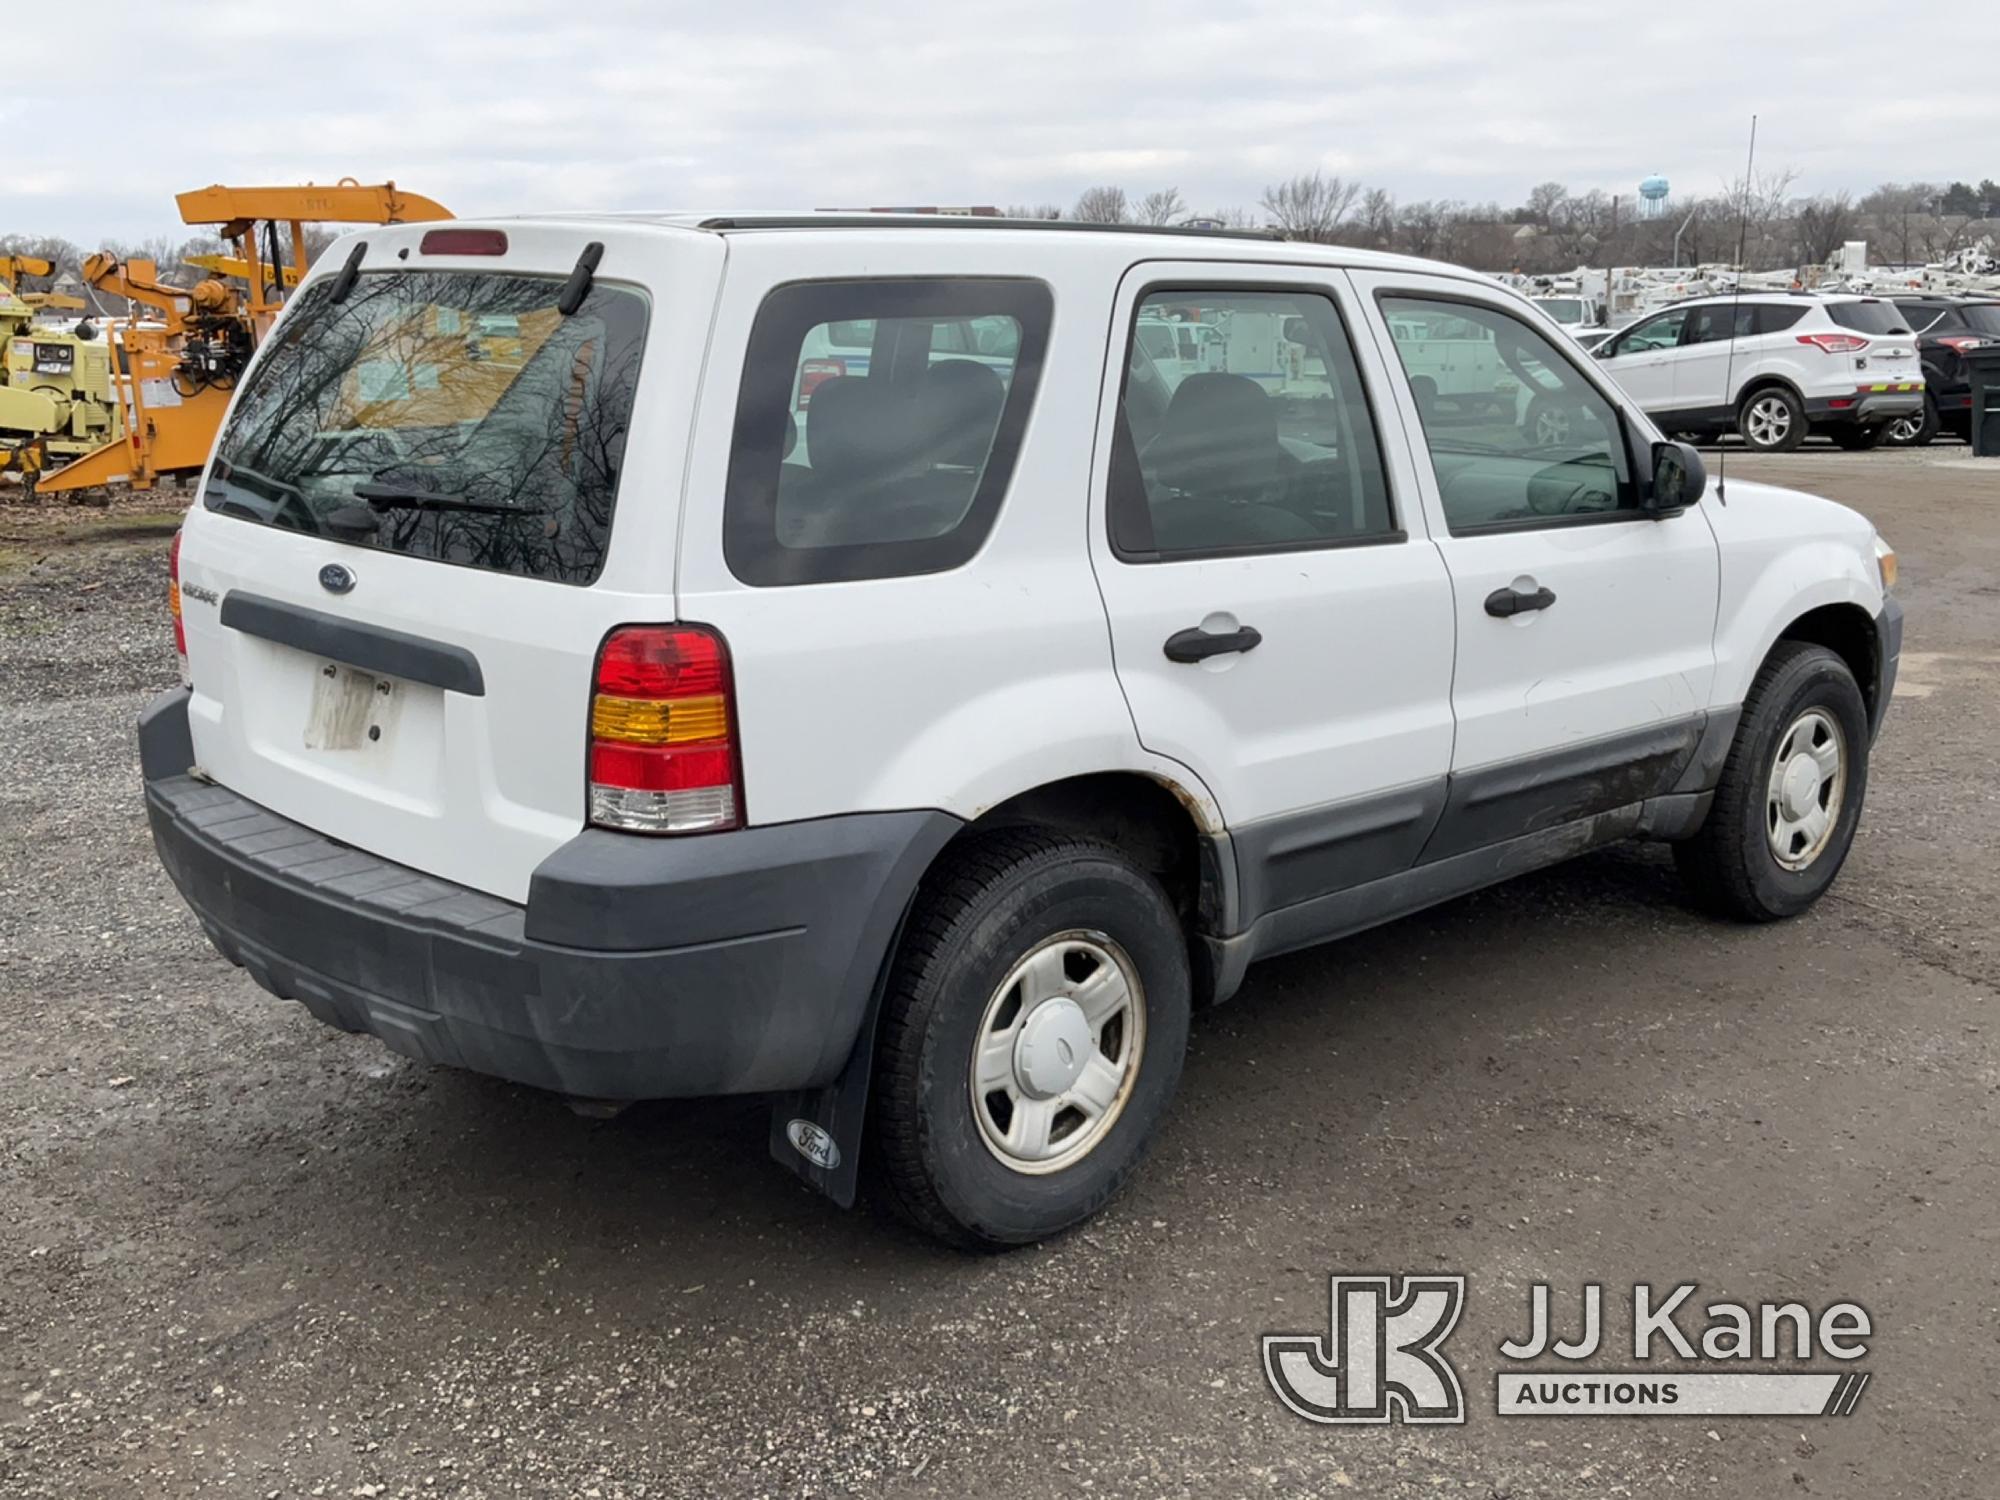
{"x": 402, "y": 497}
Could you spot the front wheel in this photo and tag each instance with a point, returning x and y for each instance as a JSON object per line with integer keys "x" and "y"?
{"x": 1786, "y": 808}
{"x": 1772, "y": 420}
{"x": 1031, "y": 1038}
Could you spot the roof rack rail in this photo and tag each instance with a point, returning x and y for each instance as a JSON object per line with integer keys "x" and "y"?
{"x": 970, "y": 221}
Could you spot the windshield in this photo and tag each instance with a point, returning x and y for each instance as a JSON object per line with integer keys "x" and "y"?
{"x": 1562, "y": 309}
{"x": 1868, "y": 317}
{"x": 443, "y": 414}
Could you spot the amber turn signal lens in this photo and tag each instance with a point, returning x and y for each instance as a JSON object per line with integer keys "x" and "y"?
{"x": 655, "y": 721}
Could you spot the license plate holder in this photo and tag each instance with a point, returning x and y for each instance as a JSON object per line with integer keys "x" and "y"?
{"x": 351, "y": 709}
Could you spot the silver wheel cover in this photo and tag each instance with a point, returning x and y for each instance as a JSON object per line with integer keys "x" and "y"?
{"x": 1057, "y": 1052}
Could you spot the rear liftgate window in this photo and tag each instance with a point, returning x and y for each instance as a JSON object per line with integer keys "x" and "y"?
{"x": 1868, "y": 317}
{"x": 442, "y": 414}
{"x": 878, "y": 424}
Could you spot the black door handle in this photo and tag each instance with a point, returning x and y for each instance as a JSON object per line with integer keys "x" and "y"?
{"x": 1504, "y": 602}
{"x": 1199, "y": 645}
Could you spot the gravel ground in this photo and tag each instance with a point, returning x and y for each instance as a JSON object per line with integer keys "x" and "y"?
{"x": 247, "y": 1256}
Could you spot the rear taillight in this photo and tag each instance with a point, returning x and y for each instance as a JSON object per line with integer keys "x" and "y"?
{"x": 816, "y": 372}
{"x": 1958, "y": 343}
{"x": 174, "y": 603}
{"x": 1834, "y": 343}
{"x": 663, "y": 733}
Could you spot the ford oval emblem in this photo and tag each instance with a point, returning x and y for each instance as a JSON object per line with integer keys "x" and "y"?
{"x": 814, "y": 1144}
{"x": 336, "y": 578}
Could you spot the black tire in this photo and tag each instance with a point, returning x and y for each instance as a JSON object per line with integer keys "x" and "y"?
{"x": 988, "y": 905}
{"x": 1730, "y": 866}
{"x": 1860, "y": 439}
{"x": 1794, "y": 427}
{"x": 1918, "y": 434}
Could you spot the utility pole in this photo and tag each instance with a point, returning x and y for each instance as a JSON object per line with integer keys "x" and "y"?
{"x": 1681, "y": 231}
{"x": 1610, "y": 257}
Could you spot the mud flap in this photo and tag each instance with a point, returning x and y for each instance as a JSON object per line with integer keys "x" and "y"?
{"x": 817, "y": 1133}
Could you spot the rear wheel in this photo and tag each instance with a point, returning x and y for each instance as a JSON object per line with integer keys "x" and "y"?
{"x": 1031, "y": 1038}
{"x": 1790, "y": 796}
{"x": 1916, "y": 431}
{"x": 1772, "y": 420}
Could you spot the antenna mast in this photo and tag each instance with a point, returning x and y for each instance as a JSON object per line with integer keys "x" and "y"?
{"x": 1736, "y": 303}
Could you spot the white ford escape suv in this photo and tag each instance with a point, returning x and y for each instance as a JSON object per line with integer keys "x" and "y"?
{"x": 554, "y": 711}
{"x": 1772, "y": 366}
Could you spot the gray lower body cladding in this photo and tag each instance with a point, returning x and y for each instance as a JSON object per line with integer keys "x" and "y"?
{"x": 1313, "y": 877}
{"x": 639, "y": 968}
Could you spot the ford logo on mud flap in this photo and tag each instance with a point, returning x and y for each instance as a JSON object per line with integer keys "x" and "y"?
{"x": 336, "y": 579}
{"x": 814, "y": 1144}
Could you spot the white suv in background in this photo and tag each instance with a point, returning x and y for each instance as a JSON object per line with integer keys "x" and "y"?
{"x": 552, "y": 711}
{"x": 1798, "y": 361}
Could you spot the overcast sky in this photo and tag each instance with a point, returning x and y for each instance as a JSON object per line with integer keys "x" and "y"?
{"x": 498, "y": 106}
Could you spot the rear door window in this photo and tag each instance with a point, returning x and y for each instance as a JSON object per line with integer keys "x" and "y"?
{"x": 1718, "y": 322}
{"x": 845, "y": 469}
{"x": 451, "y": 415}
{"x": 1276, "y": 452}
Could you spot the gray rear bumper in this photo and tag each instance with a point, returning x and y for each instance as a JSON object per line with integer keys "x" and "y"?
{"x": 639, "y": 968}
{"x": 1866, "y": 411}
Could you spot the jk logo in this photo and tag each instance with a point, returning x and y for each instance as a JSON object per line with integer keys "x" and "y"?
{"x": 1380, "y": 1360}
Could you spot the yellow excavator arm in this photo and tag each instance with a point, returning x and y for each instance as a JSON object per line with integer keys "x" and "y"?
{"x": 236, "y": 266}
{"x": 14, "y": 267}
{"x": 346, "y": 202}
{"x": 139, "y": 281}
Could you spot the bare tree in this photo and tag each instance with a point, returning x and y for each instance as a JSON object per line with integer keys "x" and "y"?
{"x": 1545, "y": 204}
{"x": 1378, "y": 216}
{"x": 1899, "y": 212}
{"x": 1756, "y": 209}
{"x": 1310, "y": 206}
{"x": 1821, "y": 226}
{"x": 1420, "y": 227}
{"x": 1163, "y": 207}
{"x": 1102, "y": 205}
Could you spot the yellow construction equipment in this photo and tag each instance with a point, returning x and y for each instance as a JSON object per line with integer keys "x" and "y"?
{"x": 55, "y": 382}
{"x": 230, "y": 265}
{"x": 174, "y": 372}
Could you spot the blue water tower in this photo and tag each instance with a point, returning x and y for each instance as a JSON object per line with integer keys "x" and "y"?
{"x": 1653, "y": 196}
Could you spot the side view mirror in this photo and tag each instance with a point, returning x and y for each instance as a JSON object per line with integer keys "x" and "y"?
{"x": 1679, "y": 479}
{"x": 1297, "y": 331}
